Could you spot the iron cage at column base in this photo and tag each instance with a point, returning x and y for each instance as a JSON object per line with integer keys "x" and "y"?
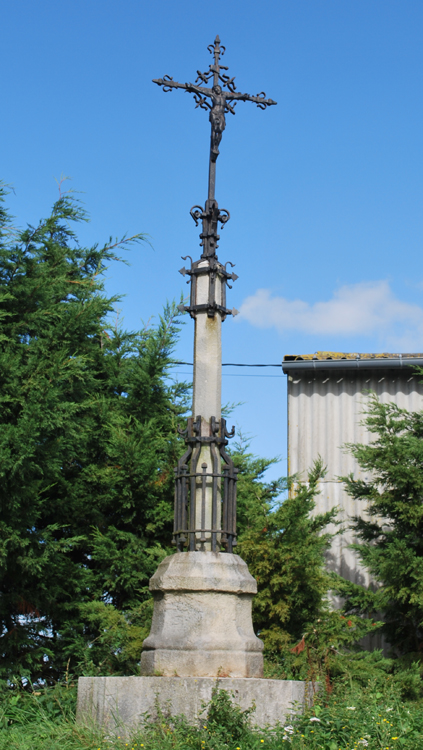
{"x": 193, "y": 487}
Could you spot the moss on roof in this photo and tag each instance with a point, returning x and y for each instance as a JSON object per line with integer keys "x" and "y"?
{"x": 347, "y": 355}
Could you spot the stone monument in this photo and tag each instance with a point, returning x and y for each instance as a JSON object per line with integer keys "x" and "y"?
{"x": 202, "y": 625}
{"x": 202, "y": 622}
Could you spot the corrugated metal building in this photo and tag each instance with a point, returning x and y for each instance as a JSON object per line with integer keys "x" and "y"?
{"x": 326, "y": 399}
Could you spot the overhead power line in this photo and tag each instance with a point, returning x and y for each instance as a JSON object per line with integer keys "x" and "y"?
{"x": 231, "y": 364}
{"x": 238, "y": 375}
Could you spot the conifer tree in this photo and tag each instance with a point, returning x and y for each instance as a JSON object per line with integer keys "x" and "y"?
{"x": 284, "y": 541}
{"x": 284, "y": 545}
{"x": 88, "y": 442}
{"x": 390, "y": 533}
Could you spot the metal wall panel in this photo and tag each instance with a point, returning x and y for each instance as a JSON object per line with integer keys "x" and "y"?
{"x": 325, "y": 411}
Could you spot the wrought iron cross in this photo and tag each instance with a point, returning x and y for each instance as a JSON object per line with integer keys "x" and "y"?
{"x": 221, "y": 101}
{"x": 205, "y": 500}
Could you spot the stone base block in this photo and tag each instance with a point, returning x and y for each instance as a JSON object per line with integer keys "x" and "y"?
{"x": 120, "y": 703}
{"x": 218, "y": 663}
{"x": 202, "y": 624}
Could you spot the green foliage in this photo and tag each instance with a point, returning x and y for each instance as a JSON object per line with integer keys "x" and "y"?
{"x": 373, "y": 717}
{"x": 327, "y": 651}
{"x": 88, "y": 442}
{"x": 284, "y": 543}
{"x": 225, "y": 718}
{"x": 284, "y": 546}
{"x": 391, "y": 534}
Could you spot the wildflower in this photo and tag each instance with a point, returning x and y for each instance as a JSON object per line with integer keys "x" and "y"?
{"x": 350, "y": 708}
{"x": 394, "y": 738}
{"x": 289, "y": 729}
{"x": 362, "y": 742}
{"x": 261, "y": 740}
{"x": 314, "y": 718}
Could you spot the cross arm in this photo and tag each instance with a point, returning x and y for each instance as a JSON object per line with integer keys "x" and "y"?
{"x": 168, "y": 84}
{"x": 259, "y": 99}
{"x": 200, "y": 90}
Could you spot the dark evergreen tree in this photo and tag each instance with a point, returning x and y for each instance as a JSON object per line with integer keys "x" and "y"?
{"x": 284, "y": 545}
{"x": 284, "y": 541}
{"x": 390, "y": 532}
{"x": 88, "y": 442}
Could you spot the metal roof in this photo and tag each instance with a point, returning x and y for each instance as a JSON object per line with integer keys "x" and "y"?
{"x": 349, "y": 360}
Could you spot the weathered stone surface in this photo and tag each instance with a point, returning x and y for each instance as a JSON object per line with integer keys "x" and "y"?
{"x": 203, "y": 571}
{"x": 207, "y": 385}
{"x": 121, "y": 702}
{"x": 202, "y": 624}
{"x": 207, "y": 388}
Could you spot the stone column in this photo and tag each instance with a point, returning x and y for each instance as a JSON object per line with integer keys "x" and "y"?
{"x": 207, "y": 386}
{"x": 202, "y": 624}
{"x": 207, "y": 390}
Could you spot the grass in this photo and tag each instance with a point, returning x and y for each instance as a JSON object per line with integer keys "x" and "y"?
{"x": 349, "y": 719}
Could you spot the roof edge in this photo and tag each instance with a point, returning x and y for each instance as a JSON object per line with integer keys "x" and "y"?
{"x": 352, "y": 364}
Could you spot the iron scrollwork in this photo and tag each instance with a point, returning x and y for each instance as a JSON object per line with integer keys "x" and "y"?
{"x": 190, "y": 530}
{"x": 222, "y": 94}
{"x": 213, "y": 269}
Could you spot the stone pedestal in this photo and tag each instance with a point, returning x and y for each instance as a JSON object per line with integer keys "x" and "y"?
{"x": 202, "y": 625}
{"x": 120, "y": 704}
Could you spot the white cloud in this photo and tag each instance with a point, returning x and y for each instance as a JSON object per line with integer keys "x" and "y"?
{"x": 366, "y": 309}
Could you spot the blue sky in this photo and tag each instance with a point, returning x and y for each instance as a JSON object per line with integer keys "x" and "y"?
{"x": 325, "y": 190}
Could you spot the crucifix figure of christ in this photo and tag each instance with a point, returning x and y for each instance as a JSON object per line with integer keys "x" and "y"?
{"x": 221, "y": 101}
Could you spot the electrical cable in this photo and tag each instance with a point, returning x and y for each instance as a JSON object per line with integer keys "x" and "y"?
{"x": 237, "y": 375}
{"x": 229, "y": 364}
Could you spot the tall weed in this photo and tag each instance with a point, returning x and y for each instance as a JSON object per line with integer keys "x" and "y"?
{"x": 350, "y": 718}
